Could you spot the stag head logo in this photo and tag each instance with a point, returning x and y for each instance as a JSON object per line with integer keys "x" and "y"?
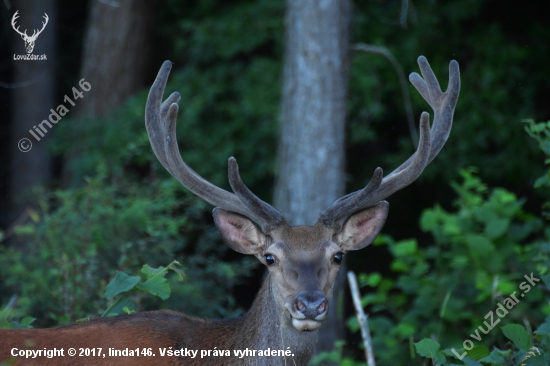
{"x": 29, "y": 40}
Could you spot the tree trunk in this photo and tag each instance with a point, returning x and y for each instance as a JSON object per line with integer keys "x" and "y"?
{"x": 313, "y": 114}
{"x": 33, "y": 97}
{"x": 116, "y": 50}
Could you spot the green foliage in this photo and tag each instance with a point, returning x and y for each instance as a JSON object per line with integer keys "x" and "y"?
{"x": 229, "y": 85}
{"x": 25, "y": 323}
{"x": 541, "y": 133}
{"x": 120, "y": 211}
{"x": 430, "y": 349}
{"x": 334, "y": 357}
{"x": 123, "y": 287}
{"x": 80, "y": 236}
{"x": 485, "y": 253}
{"x": 525, "y": 352}
{"x": 493, "y": 63}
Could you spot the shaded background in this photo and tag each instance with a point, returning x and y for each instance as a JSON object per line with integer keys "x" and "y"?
{"x": 90, "y": 197}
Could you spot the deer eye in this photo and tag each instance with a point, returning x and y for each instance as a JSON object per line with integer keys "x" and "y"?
{"x": 269, "y": 259}
{"x": 338, "y": 257}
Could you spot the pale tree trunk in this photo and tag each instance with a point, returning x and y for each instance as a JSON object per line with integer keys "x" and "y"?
{"x": 116, "y": 49}
{"x": 33, "y": 96}
{"x": 313, "y": 114}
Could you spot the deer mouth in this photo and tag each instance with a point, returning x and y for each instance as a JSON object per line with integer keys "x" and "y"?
{"x": 306, "y": 325}
{"x": 306, "y": 318}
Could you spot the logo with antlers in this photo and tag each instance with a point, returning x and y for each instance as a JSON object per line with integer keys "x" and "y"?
{"x": 29, "y": 40}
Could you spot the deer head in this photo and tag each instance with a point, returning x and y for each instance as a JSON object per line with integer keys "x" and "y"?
{"x": 303, "y": 261}
{"x": 29, "y": 40}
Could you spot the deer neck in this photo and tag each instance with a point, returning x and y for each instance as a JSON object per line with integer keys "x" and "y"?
{"x": 272, "y": 327}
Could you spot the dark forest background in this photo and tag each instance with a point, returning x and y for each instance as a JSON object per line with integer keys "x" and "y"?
{"x": 91, "y": 197}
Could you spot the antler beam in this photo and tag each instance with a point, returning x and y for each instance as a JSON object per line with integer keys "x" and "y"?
{"x": 160, "y": 121}
{"x": 431, "y": 142}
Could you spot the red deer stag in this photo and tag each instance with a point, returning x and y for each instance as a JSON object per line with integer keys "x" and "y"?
{"x": 280, "y": 328}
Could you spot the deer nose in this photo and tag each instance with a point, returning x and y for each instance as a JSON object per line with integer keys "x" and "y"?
{"x": 311, "y": 304}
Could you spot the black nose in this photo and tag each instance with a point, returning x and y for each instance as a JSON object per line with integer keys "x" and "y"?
{"x": 311, "y": 304}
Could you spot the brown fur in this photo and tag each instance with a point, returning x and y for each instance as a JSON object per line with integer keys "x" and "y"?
{"x": 259, "y": 329}
{"x": 304, "y": 264}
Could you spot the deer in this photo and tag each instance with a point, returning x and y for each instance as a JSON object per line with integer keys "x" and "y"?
{"x": 29, "y": 40}
{"x": 282, "y": 325}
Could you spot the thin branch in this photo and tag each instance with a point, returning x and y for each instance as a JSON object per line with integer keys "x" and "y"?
{"x": 362, "y": 318}
{"x": 402, "y": 80}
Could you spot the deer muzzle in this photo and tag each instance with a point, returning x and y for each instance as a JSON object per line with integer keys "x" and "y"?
{"x": 308, "y": 309}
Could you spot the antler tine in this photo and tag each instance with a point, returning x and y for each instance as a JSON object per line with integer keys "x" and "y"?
{"x": 260, "y": 208}
{"x": 43, "y": 23}
{"x": 443, "y": 104}
{"x": 153, "y": 120}
{"x": 160, "y": 121}
{"x": 431, "y": 142}
{"x": 379, "y": 188}
{"x": 13, "y": 19}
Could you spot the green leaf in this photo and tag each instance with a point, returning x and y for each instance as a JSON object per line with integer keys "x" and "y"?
{"x": 174, "y": 267}
{"x": 430, "y": 349}
{"x": 121, "y": 283}
{"x": 496, "y": 228}
{"x": 496, "y": 357}
{"x": 157, "y": 285}
{"x": 405, "y": 329}
{"x": 118, "y": 308}
{"x": 468, "y": 361}
{"x": 546, "y": 280}
{"x": 478, "y": 352}
{"x": 150, "y": 272}
{"x": 28, "y": 320}
{"x": 479, "y": 245}
{"x": 405, "y": 248}
{"x": 517, "y": 334}
{"x": 544, "y": 328}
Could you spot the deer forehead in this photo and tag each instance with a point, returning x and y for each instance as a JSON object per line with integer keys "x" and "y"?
{"x": 306, "y": 239}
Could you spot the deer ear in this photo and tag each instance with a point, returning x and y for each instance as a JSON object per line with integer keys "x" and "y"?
{"x": 363, "y": 227}
{"x": 239, "y": 233}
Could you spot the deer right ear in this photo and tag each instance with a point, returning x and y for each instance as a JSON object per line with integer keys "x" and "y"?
{"x": 363, "y": 227}
{"x": 239, "y": 233}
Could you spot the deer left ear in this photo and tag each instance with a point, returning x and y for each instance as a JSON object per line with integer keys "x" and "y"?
{"x": 363, "y": 227}
{"x": 239, "y": 232}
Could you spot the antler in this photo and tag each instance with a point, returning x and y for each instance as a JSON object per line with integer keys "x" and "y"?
{"x": 160, "y": 121}
{"x": 15, "y": 16}
{"x": 24, "y": 34}
{"x": 36, "y": 33}
{"x": 431, "y": 142}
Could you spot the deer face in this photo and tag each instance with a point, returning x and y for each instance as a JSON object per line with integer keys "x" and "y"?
{"x": 303, "y": 261}
{"x": 29, "y": 42}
